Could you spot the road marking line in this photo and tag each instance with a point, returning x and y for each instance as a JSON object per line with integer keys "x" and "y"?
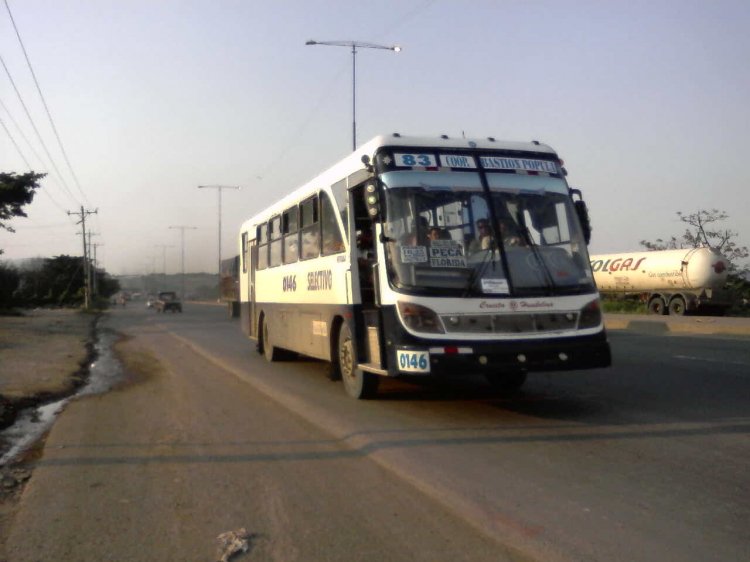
{"x": 691, "y": 358}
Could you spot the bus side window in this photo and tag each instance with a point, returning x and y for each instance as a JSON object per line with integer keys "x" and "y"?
{"x": 274, "y": 258}
{"x": 291, "y": 237}
{"x": 262, "y": 237}
{"x": 310, "y": 228}
{"x": 245, "y": 253}
{"x": 333, "y": 243}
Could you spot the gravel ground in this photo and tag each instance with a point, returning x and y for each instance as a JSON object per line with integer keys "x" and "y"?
{"x": 43, "y": 355}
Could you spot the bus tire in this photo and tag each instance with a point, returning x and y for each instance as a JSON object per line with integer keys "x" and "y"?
{"x": 357, "y": 383}
{"x": 269, "y": 351}
{"x": 506, "y": 384}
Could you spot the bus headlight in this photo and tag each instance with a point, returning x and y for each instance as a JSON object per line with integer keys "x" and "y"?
{"x": 419, "y": 318}
{"x": 591, "y": 315}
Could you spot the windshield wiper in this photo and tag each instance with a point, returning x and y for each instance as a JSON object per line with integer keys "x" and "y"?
{"x": 478, "y": 270}
{"x": 548, "y": 279}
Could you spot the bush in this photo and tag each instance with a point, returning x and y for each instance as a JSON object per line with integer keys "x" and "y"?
{"x": 9, "y": 281}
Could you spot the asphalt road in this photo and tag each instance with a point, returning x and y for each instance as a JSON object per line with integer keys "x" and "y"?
{"x": 644, "y": 461}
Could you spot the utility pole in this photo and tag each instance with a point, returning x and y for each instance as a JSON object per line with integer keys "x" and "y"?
{"x": 87, "y": 274}
{"x": 354, "y": 45}
{"x": 92, "y": 264}
{"x": 92, "y": 248}
{"x": 164, "y": 261}
{"x": 182, "y": 230}
{"x": 218, "y": 188}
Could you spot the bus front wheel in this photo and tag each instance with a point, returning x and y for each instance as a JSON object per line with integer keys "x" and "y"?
{"x": 357, "y": 383}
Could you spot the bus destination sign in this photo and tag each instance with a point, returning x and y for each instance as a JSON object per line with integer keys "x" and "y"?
{"x": 518, "y": 164}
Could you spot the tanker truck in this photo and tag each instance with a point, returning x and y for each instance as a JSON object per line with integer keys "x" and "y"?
{"x": 669, "y": 281}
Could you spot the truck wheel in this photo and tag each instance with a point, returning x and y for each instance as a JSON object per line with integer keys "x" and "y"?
{"x": 656, "y": 306}
{"x": 357, "y": 383}
{"x": 505, "y": 383}
{"x": 677, "y": 306}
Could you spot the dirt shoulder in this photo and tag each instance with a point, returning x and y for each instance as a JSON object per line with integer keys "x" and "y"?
{"x": 42, "y": 355}
{"x": 694, "y": 325}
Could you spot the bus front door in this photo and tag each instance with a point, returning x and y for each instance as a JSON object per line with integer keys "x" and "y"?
{"x": 253, "y": 328}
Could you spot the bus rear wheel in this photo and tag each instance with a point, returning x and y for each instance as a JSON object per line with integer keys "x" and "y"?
{"x": 357, "y": 383}
{"x": 269, "y": 351}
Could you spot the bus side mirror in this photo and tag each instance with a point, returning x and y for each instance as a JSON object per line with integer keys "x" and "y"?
{"x": 372, "y": 200}
{"x": 583, "y": 217}
{"x": 583, "y": 214}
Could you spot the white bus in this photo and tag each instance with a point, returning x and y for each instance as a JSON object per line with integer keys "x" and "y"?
{"x": 421, "y": 257}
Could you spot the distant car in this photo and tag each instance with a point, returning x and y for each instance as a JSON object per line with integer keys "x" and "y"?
{"x": 168, "y": 300}
{"x": 150, "y": 301}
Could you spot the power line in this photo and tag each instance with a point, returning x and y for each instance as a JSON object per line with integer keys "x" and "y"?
{"x": 44, "y": 103}
{"x": 18, "y": 148}
{"x": 23, "y": 135}
{"x": 295, "y": 136}
{"x": 28, "y": 166}
{"x": 38, "y": 135}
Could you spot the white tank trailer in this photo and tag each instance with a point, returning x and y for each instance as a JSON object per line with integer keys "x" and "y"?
{"x": 670, "y": 281}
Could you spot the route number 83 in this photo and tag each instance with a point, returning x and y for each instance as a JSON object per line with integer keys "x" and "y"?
{"x": 425, "y": 160}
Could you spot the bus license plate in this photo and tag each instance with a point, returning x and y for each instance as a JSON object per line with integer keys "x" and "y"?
{"x": 413, "y": 361}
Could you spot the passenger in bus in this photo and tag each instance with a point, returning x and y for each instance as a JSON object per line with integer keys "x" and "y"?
{"x": 365, "y": 256}
{"x": 365, "y": 247}
{"x": 332, "y": 244}
{"x": 310, "y": 244}
{"x": 420, "y": 235}
{"x": 483, "y": 239}
{"x": 508, "y": 232}
{"x": 437, "y": 233}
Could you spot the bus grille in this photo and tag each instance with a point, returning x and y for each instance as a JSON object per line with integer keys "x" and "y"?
{"x": 509, "y": 323}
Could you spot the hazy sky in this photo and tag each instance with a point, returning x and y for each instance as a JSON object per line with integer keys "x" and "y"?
{"x": 648, "y": 103}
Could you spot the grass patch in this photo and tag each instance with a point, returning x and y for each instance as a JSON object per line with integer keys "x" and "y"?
{"x": 623, "y": 306}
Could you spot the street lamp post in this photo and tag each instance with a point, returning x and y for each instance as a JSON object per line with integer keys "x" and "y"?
{"x": 354, "y": 46}
{"x": 182, "y": 230}
{"x": 164, "y": 257}
{"x": 218, "y": 188}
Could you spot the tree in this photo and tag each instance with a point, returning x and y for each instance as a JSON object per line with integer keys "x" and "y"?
{"x": 107, "y": 285}
{"x": 704, "y": 231}
{"x": 15, "y": 192}
{"x": 59, "y": 282}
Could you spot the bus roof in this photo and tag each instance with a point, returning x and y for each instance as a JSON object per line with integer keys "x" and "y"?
{"x": 353, "y": 162}
{"x": 444, "y": 141}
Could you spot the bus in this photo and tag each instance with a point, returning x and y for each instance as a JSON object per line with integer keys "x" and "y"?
{"x": 427, "y": 257}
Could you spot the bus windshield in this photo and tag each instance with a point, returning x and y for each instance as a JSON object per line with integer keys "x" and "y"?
{"x": 446, "y": 236}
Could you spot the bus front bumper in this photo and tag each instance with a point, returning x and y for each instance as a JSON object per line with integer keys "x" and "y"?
{"x": 457, "y": 358}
